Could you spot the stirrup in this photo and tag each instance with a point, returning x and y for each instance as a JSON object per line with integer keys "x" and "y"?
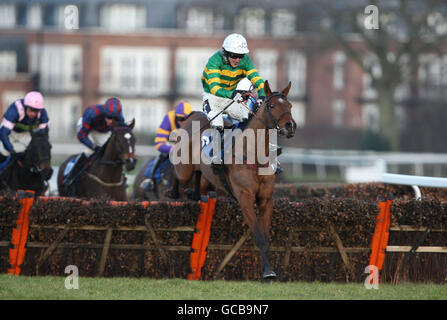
{"x": 278, "y": 170}
{"x": 147, "y": 184}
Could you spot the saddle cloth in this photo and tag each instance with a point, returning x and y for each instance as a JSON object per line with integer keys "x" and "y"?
{"x": 158, "y": 174}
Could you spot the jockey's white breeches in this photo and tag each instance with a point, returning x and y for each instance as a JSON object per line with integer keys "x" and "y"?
{"x": 19, "y": 141}
{"x": 236, "y": 111}
{"x": 98, "y": 138}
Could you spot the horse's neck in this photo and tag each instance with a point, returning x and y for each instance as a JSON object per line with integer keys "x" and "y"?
{"x": 104, "y": 163}
{"x": 258, "y": 125}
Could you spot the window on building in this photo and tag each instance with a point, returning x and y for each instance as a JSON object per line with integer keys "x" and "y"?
{"x": 59, "y": 66}
{"x": 189, "y": 65}
{"x": 149, "y": 74}
{"x": 200, "y": 20}
{"x": 8, "y": 17}
{"x": 63, "y": 112}
{"x": 299, "y": 113}
{"x": 122, "y": 17}
{"x": 433, "y": 76}
{"x": 134, "y": 71}
{"x": 128, "y": 79}
{"x": 339, "y": 70}
{"x": 296, "y": 73}
{"x": 34, "y": 16}
{"x": 266, "y": 63}
{"x": 338, "y": 111}
{"x": 370, "y": 117}
{"x": 251, "y": 22}
{"x": 283, "y": 23}
{"x": 8, "y": 64}
{"x": 370, "y": 63}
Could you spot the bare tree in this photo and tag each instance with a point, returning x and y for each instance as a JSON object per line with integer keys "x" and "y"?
{"x": 406, "y": 30}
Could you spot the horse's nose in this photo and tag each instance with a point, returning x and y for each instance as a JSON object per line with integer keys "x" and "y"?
{"x": 291, "y": 128}
{"x": 47, "y": 173}
{"x": 130, "y": 164}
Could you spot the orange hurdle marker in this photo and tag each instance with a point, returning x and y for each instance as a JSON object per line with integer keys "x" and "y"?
{"x": 19, "y": 237}
{"x": 201, "y": 236}
{"x": 381, "y": 233}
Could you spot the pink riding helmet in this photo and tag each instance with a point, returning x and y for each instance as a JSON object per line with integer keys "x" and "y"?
{"x": 34, "y": 100}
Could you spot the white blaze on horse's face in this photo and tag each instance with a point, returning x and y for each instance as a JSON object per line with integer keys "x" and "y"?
{"x": 128, "y": 136}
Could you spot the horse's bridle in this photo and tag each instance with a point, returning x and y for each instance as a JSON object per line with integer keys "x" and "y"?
{"x": 268, "y": 106}
{"x": 33, "y": 167}
{"x": 121, "y": 160}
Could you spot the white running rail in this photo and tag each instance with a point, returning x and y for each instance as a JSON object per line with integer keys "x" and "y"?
{"x": 415, "y": 182}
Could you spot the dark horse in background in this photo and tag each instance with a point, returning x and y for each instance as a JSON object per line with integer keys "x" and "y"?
{"x": 103, "y": 174}
{"x": 243, "y": 181}
{"x": 31, "y": 169}
{"x": 162, "y": 185}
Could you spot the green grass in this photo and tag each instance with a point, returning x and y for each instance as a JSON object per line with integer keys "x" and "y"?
{"x": 46, "y": 287}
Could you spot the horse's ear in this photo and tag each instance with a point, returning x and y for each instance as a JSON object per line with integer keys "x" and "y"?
{"x": 285, "y": 91}
{"x": 267, "y": 90}
{"x": 132, "y": 124}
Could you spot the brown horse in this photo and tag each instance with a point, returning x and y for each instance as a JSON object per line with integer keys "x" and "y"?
{"x": 161, "y": 188}
{"x": 244, "y": 181}
{"x": 103, "y": 175}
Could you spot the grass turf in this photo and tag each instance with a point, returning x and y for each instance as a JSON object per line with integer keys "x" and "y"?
{"x": 53, "y": 288}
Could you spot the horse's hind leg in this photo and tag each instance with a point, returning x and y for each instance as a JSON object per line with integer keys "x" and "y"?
{"x": 174, "y": 192}
{"x": 195, "y": 194}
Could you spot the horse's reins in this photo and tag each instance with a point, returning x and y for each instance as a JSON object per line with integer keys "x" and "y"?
{"x": 118, "y": 162}
{"x": 268, "y": 106}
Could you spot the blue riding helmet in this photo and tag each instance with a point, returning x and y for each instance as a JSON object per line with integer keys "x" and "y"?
{"x": 113, "y": 108}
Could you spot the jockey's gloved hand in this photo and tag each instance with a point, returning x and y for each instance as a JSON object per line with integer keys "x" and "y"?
{"x": 13, "y": 154}
{"x": 261, "y": 99}
{"x": 97, "y": 149}
{"x": 237, "y": 97}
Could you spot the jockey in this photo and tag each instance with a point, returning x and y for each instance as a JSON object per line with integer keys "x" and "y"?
{"x": 171, "y": 121}
{"x": 93, "y": 130}
{"x": 21, "y": 116}
{"x": 222, "y": 74}
{"x": 227, "y": 81}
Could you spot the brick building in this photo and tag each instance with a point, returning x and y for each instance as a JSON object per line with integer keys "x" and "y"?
{"x": 151, "y": 54}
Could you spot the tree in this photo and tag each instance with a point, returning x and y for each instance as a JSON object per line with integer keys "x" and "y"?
{"x": 406, "y": 30}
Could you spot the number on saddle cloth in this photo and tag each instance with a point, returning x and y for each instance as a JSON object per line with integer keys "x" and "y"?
{"x": 226, "y": 140}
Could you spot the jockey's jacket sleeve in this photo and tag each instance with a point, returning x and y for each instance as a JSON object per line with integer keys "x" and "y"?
{"x": 220, "y": 79}
{"x": 87, "y": 121}
{"x": 9, "y": 120}
{"x": 163, "y": 131}
{"x": 44, "y": 120}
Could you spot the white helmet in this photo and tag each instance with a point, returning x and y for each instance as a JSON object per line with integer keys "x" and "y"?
{"x": 235, "y": 43}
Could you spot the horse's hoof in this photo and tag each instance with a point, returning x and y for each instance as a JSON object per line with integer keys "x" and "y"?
{"x": 268, "y": 275}
{"x": 191, "y": 195}
{"x": 173, "y": 194}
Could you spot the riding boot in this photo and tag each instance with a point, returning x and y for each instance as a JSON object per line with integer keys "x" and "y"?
{"x": 216, "y": 160}
{"x": 149, "y": 183}
{"x": 75, "y": 171}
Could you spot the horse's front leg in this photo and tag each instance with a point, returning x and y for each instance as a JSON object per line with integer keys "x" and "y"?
{"x": 247, "y": 201}
{"x": 262, "y": 234}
